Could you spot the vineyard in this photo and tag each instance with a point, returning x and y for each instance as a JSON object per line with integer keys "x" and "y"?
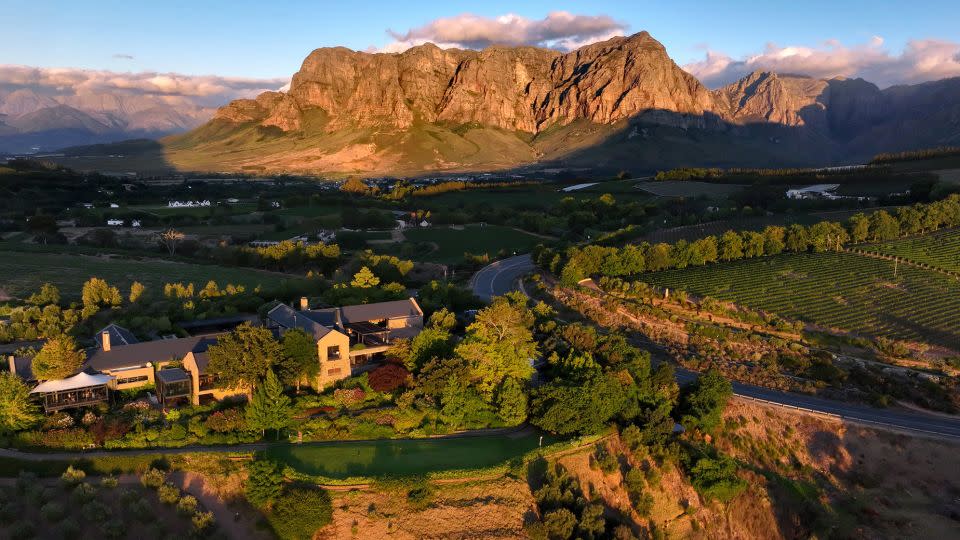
{"x": 940, "y": 249}
{"x": 837, "y": 290}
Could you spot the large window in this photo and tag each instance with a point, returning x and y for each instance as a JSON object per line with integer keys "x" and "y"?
{"x": 132, "y": 380}
{"x": 333, "y": 353}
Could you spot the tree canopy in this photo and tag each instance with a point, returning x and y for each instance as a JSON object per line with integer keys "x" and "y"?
{"x": 17, "y": 410}
{"x": 243, "y": 357}
{"x": 60, "y": 357}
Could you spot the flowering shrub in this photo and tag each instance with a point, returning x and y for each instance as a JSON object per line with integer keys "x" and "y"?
{"x": 226, "y": 421}
{"x": 349, "y": 396}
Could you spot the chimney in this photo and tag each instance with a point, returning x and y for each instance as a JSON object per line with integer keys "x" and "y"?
{"x": 12, "y": 361}
{"x": 105, "y": 340}
{"x": 304, "y": 303}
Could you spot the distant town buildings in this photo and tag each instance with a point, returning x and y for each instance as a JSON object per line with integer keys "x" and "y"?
{"x": 188, "y": 204}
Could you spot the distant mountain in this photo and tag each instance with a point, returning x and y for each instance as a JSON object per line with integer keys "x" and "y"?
{"x": 618, "y": 104}
{"x": 31, "y": 119}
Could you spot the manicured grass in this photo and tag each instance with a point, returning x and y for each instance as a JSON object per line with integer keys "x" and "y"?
{"x": 940, "y": 249}
{"x": 22, "y": 273}
{"x": 840, "y": 290}
{"x": 475, "y": 239}
{"x": 406, "y": 457}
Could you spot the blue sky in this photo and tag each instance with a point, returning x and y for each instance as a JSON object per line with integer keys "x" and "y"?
{"x": 270, "y": 39}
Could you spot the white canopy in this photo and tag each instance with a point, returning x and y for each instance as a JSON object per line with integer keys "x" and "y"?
{"x": 80, "y": 380}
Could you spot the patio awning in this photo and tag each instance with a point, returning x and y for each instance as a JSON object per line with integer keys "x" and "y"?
{"x": 78, "y": 381}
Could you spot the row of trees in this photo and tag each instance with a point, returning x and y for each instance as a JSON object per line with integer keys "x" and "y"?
{"x": 578, "y": 263}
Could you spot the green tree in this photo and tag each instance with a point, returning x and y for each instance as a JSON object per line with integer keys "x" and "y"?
{"x": 773, "y": 240}
{"x": 717, "y": 478}
{"x": 511, "y": 402}
{"x": 270, "y": 408}
{"x": 300, "y": 360}
{"x": 560, "y": 523}
{"x": 442, "y": 319}
{"x": 17, "y": 410}
{"x": 859, "y": 226}
{"x": 566, "y": 408}
{"x": 883, "y": 226}
{"x": 430, "y": 343}
{"x": 364, "y": 279}
{"x": 264, "y": 482}
{"x": 705, "y": 400}
{"x": 300, "y": 511}
{"x": 731, "y": 246}
{"x": 243, "y": 357}
{"x": 797, "y": 239}
{"x": 60, "y": 357}
{"x": 499, "y": 343}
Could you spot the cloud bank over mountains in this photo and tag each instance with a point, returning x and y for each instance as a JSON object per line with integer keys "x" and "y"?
{"x": 921, "y": 60}
{"x": 201, "y": 90}
{"x": 558, "y": 30}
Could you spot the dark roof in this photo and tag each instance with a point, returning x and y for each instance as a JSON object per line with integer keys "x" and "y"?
{"x": 118, "y": 336}
{"x": 287, "y": 317}
{"x": 23, "y": 366}
{"x": 170, "y": 375}
{"x": 10, "y": 348}
{"x": 139, "y": 354}
{"x": 203, "y": 359}
{"x": 220, "y": 321}
{"x": 380, "y": 310}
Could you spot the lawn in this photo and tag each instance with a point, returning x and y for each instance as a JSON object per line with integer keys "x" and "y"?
{"x": 406, "y": 457}
{"x": 845, "y": 291}
{"x": 22, "y": 273}
{"x": 476, "y": 239}
{"x": 940, "y": 249}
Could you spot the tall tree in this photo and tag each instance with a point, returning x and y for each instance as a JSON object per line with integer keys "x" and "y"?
{"x": 243, "y": 357}
{"x": 364, "y": 279}
{"x": 136, "y": 291}
{"x": 270, "y": 408}
{"x": 17, "y": 410}
{"x": 500, "y": 343}
{"x": 705, "y": 400}
{"x": 96, "y": 294}
{"x": 300, "y": 360}
{"x": 60, "y": 357}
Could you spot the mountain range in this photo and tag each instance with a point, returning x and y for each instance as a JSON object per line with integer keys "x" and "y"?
{"x": 620, "y": 104}
{"x": 46, "y": 120}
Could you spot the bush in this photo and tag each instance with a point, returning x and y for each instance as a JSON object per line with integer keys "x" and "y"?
{"x": 226, "y": 421}
{"x": 602, "y": 456}
{"x": 560, "y": 523}
{"x": 22, "y": 530}
{"x": 716, "y": 478}
{"x": 187, "y": 505}
{"x": 634, "y": 482}
{"x": 168, "y": 493}
{"x": 52, "y": 512}
{"x": 115, "y": 528}
{"x": 264, "y": 482}
{"x": 300, "y": 511}
{"x": 141, "y": 510}
{"x": 109, "y": 482}
{"x": 24, "y": 481}
{"x": 421, "y": 497}
{"x": 96, "y": 511}
{"x": 83, "y": 493}
{"x": 72, "y": 477}
{"x": 388, "y": 378}
{"x": 153, "y": 478}
{"x": 203, "y": 522}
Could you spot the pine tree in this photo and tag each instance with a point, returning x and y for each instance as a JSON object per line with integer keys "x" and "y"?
{"x": 264, "y": 482}
{"x": 59, "y": 358}
{"x": 270, "y": 408}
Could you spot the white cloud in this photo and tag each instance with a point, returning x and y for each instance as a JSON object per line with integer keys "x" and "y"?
{"x": 121, "y": 56}
{"x": 206, "y": 90}
{"x": 559, "y": 30}
{"x": 921, "y": 60}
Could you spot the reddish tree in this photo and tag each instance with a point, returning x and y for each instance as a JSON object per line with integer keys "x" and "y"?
{"x": 388, "y": 377}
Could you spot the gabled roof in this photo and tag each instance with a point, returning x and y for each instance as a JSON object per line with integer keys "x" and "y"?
{"x": 287, "y": 317}
{"x": 170, "y": 375}
{"x": 396, "y": 309}
{"x": 118, "y": 336}
{"x": 139, "y": 354}
{"x": 80, "y": 380}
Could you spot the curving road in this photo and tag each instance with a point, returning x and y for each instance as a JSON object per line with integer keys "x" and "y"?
{"x": 500, "y": 277}
{"x": 503, "y": 276}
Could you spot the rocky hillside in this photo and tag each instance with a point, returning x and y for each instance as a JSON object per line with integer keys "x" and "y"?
{"x": 618, "y": 104}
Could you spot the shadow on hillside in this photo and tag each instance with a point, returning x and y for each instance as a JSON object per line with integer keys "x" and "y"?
{"x": 146, "y": 157}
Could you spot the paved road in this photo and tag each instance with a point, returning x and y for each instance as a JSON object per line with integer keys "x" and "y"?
{"x": 500, "y": 277}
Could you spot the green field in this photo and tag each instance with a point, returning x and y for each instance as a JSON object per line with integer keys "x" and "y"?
{"x": 940, "y": 249}
{"x": 406, "y": 457}
{"x": 475, "y": 239}
{"x": 22, "y": 273}
{"x": 844, "y": 291}
{"x": 688, "y": 188}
